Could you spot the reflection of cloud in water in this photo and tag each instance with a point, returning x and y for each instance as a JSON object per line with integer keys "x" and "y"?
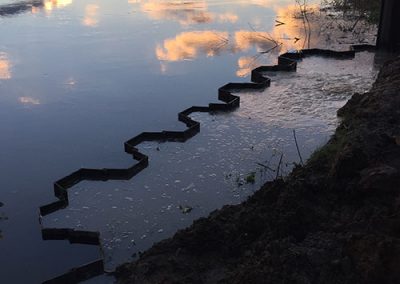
{"x": 245, "y": 65}
{"x": 91, "y": 15}
{"x": 293, "y": 27}
{"x": 228, "y": 17}
{"x": 5, "y": 67}
{"x": 183, "y": 12}
{"x": 51, "y": 4}
{"x": 28, "y": 101}
{"x": 290, "y": 35}
{"x": 70, "y": 81}
{"x": 247, "y": 39}
{"x": 186, "y": 13}
{"x": 188, "y": 45}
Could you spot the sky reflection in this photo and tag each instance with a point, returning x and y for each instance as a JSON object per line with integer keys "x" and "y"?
{"x": 28, "y": 101}
{"x": 267, "y": 3}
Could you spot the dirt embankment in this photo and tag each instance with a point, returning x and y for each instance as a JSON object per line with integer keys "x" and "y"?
{"x": 335, "y": 220}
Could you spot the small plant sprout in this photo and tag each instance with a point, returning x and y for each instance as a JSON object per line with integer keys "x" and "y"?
{"x": 251, "y": 177}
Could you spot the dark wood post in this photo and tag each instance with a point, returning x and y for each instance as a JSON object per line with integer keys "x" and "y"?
{"x": 389, "y": 26}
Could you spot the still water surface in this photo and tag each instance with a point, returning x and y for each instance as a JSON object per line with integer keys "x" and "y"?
{"x": 78, "y": 78}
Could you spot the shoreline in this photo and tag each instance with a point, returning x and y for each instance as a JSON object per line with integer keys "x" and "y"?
{"x": 334, "y": 220}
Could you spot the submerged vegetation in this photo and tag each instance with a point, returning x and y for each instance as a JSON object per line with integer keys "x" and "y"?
{"x": 251, "y": 178}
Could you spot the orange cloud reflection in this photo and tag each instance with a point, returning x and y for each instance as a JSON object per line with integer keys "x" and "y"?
{"x": 5, "y": 67}
{"x": 245, "y": 65}
{"x": 294, "y": 32}
{"x": 91, "y": 15}
{"x": 188, "y": 45}
{"x": 51, "y": 4}
{"x": 289, "y": 35}
{"x": 246, "y": 39}
{"x": 183, "y": 12}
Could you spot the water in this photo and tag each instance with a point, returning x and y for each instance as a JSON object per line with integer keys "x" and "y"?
{"x": 78, "y": 78}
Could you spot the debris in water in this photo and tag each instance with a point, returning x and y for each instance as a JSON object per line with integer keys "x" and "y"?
{"x": 185, "y": 209}
{"x": 188, "y": 187}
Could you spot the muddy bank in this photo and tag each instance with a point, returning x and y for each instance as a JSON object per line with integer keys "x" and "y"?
{"x": 335, "y": 220}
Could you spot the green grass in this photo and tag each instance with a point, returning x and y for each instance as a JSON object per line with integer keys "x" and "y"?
{"x": 324, "y": 156}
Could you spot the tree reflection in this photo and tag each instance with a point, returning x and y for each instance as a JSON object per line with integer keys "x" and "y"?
{"x": 13, "y": 9}
{"x": 20, "y": 7}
